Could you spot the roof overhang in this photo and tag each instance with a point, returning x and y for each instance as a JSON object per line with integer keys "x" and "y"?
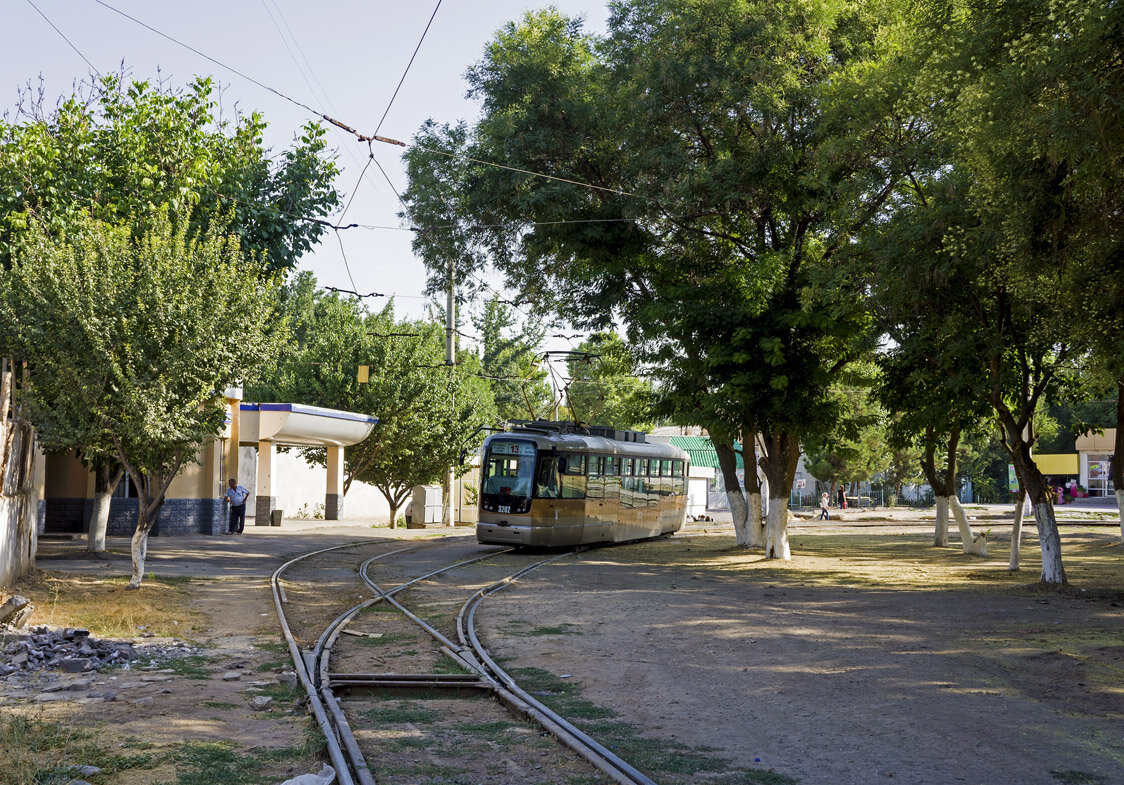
{"x": 298, "y": 424}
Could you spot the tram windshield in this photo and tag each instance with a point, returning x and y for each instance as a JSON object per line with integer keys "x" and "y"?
{"x": 509, "y": 468}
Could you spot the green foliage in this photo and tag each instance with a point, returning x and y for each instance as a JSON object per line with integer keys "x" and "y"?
{"x": 428, "y": 413}
{"x": 510, "y": 355}
{"x": 733, "y": 148}
{"x": 125, "y": 152}
{"x": 605, "y": 389}
{"x": 855, "y": 449}
{"x": 131, "y": 341}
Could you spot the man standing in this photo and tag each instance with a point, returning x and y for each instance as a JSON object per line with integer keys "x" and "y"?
{"x": 236, "y": 498}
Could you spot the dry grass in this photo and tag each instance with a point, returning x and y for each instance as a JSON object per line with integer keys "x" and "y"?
{"x": 894, "y": 560}
{"x": 161, "y": 606}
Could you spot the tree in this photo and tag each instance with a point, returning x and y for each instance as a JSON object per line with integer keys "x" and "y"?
{"x": 131, "y": 341}
{"x": 125, "y": 152}
{"x": 430, "y": 414}
{"x": 510, "y": 355}
{"x": 855, "y": 450}
{"x": 604, "y": 387}
{"x": 725, "y": 153}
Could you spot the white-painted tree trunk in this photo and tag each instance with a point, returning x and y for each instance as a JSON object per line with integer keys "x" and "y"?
{"x": 738, "y": 511}
{"x": 1051, "y": 544}
{"x": 139, "y": 551}
{"x": 974, "y": 544}
{"x": 755, "y": 524}
{"x": 940, "y": 535}
{"x": 1120, "y": 505}
{"x": 99, "y": 522}
{"x": 776, "y": 530}
{"x": 1016, "y": 538}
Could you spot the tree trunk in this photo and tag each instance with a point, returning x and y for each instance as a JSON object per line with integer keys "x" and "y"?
{"x": 974, "y": 544}
{"x": 782, "y": 453}
{"x": 106, "y": 478}
{"x": 940, "y": 537}
{"x": 393, "y": 514}
{"x": 755, "y": 523}
{"x": 776, "y": 529}
{"x": 1017, "y": 533}
{"x": 1118, "y": 456}
{"x": 739, "y": 509}
{"x": 1041, "y": 497}
{"x": 139, "y": 549}
{"x": 1051, "y": 543}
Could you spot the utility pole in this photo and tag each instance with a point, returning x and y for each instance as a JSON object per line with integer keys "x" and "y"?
{"x": 450, "y": 361}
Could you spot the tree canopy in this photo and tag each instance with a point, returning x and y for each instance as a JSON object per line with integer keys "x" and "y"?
{"x": 122, "y": 151}
{"x": 132, "y": 340}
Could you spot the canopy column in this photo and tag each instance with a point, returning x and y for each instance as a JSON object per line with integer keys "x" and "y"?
{"x": 265, "y": 500}
{"x": 333, "y": 496}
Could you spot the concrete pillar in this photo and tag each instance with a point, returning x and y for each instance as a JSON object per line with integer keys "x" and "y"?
{"x": 333, "y": 495}
{"x": 230, "y": 447}
{"x": 265, "y": 500}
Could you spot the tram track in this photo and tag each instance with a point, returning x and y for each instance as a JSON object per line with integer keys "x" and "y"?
{"x": 325, "y": 677}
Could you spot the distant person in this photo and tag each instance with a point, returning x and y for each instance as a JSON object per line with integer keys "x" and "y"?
{"x": 842, "y": 498}
{"x": 824, "y": 514}
{"x": 236, "y": 497}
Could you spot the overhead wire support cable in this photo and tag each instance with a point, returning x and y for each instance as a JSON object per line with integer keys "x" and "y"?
{"x": 62, "y": 35}
{"x": 353, "y": 131}
{"x": 408, "y": 65}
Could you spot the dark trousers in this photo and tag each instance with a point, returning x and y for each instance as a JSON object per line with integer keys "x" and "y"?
{"x": 237, "y": 518}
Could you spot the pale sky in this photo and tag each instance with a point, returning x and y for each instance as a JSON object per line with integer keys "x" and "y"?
{"x": 357, "y": 52}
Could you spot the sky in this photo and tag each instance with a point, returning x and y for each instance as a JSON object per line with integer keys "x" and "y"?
{"x": 344, "y": 58}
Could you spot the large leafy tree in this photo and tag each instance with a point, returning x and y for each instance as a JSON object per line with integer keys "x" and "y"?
{"x": 123, "y": 151}
{"x": 605, "y": 387}
{"x": 509, "y": 355}
{"x": 429, "y": 413}
{"x": 726, "y": 151}
{"x": 131, "y": 341}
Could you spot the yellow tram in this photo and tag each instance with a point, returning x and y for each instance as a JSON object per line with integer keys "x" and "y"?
{"x": 548, "y": 484}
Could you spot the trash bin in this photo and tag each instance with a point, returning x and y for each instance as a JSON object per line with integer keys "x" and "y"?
{"x": 275, "y": 517}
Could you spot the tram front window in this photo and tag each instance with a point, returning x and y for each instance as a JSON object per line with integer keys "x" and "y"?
{"x": 509, "y": 468}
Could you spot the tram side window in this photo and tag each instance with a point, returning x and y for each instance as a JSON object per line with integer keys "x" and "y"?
{"x": 547, "y": 483}
{"x": 612, "y": 478}
{"x": 596, "y": 488}
{"x": 573, "y": 476}
{"x": 680, "y": 480}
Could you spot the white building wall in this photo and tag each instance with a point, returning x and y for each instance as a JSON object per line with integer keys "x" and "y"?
{"x": 300, "y": 486}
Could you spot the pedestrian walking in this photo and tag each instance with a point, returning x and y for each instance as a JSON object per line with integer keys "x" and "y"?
{"x": 824, "y": 514}
{"x": 236, "y": 497}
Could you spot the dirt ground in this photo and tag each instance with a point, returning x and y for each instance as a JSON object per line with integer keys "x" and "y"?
{"x": 869, "y": 657}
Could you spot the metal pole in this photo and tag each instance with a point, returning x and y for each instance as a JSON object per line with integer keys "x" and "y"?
{"x": 450, "y": 360}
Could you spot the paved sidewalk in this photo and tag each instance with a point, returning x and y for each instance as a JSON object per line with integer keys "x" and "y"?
{"x": 254, "y": 554}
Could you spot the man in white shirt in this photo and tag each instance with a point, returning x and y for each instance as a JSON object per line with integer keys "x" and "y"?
{"x": 236, "y": 497}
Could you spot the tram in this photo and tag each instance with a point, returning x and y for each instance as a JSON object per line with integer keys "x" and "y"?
{"x": 550, "y": 484}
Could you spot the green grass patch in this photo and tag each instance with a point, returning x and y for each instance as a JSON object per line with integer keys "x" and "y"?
{"x": 657, "y": 757}
{"x": 37, "y": 751}
{"x": 194, "y": 666}
{"x": 404, "y": 712}
{"x": 386, "y": 639}
{"x": 1074, "y": 777}
{"x": 446, "y": 664}
{"x": 219, "y": 705}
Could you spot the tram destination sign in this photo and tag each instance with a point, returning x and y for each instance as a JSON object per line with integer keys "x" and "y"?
{"x": 511, "y": 448}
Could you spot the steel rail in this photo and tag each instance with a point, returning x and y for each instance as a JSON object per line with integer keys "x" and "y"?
{"x": 319, "y": 679}
{"x": 472, "y": 653}
{"x": 335, "y": 751}
{"x": 585, "y": 745}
